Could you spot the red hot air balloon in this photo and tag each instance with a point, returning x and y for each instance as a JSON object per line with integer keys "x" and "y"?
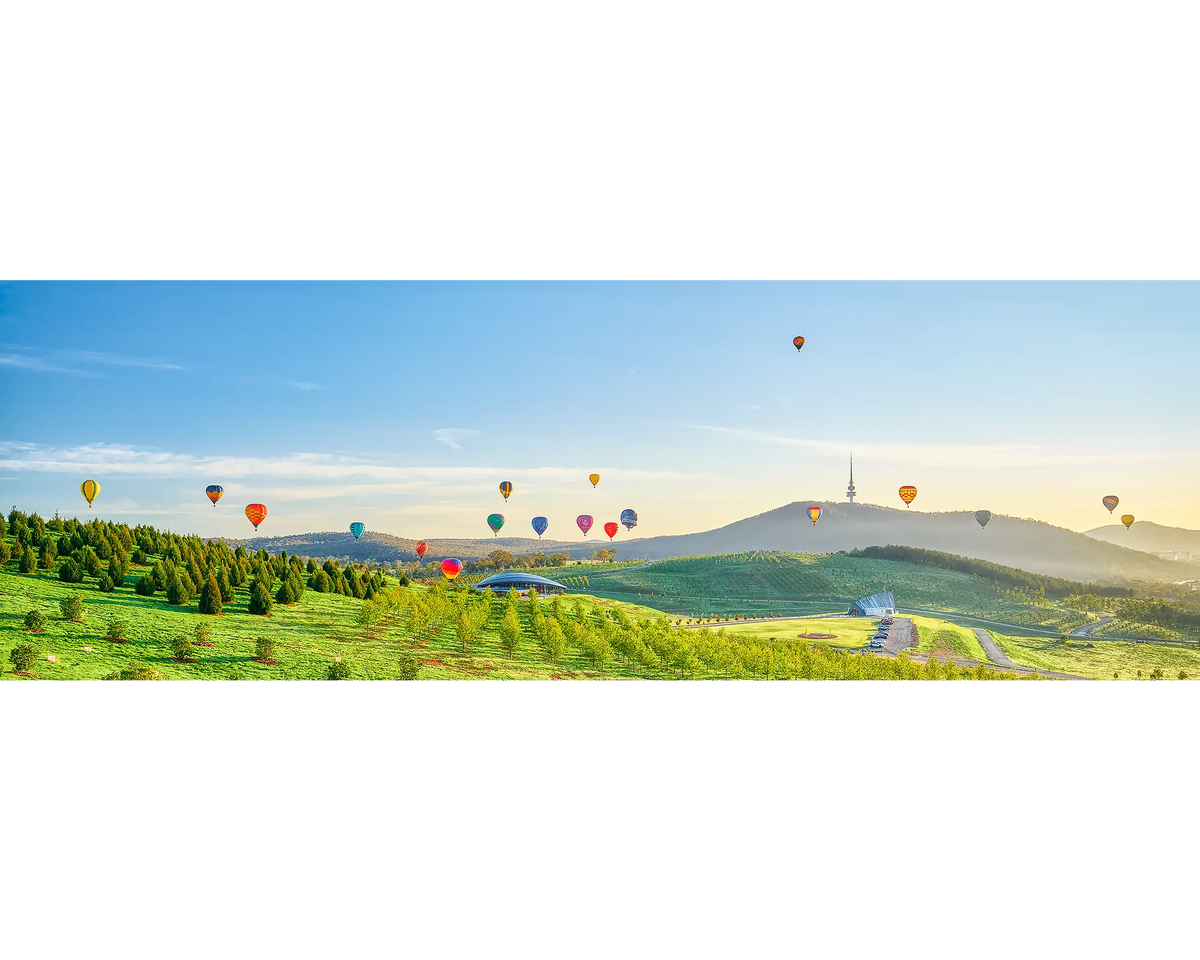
{"x": 451, "y": 568}
{"x": 908, "y": 494}
{"x": 421, "y": 548}
{"x": 256, "y": 513}
{"x": 584, "y": 522}
{"x": 611, "y": 529}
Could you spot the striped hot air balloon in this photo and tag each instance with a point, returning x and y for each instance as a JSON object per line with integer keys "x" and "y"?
{"x": 908, "y": 494}
{"x": 1111, "y": 502}
{"x": 256, "y": 513}
{"x": 505, "y": 489}
{"x": 214, "y": 493}
{"x": 90, "y": 490}
{"x": 357, "y": 529}
{"x": 451, "y": 568}
{"x": 814, "y": 514}
{"x": 421, "y": 548}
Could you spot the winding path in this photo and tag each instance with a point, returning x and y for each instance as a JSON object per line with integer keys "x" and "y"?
{"x": 993, "y": 651}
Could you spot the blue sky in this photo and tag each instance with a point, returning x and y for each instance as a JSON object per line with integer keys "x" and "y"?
{"x": 404, "y": 405}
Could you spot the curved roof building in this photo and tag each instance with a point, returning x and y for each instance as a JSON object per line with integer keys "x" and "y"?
{"x": 877, "y": 605}
{"x": 503, "y": 582}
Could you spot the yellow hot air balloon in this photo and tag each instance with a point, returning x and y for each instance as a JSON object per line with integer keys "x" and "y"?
{"x": 1127, "y": 520}
{"x": 90, "y": 490}
{"x": 595, "y": 478}
{"x": 908, "y": 494}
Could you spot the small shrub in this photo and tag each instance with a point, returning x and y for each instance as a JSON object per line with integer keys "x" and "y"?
{"x": 135, "y": 671}
{"x": 116, "y": 630}
{"x": 106, "y": 585}
{"x": 23, "y": 656}
{"x": 70, "y": 571}
{"x": 203, "y": 635}
{"x": 144, "y": 586}
{"x": 338, "y": 670}
{"x": 181, "y": 648}
{"x": 1182, "y": 675}
{"x": 409, "y": 667}
{"x": 264, "y": 649}
{"x": 72, "y": 607}
{"x": 35, "y": 621}
{"x": 138, "y": 558}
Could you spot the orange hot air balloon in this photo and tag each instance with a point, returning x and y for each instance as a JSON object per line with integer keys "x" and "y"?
{"x": 814, "y": 514}
{"x": 611, "y": 529}
{"x": 1127, "y": 520}
{"x": 256, "y": 513}
{"x": 421, "y": 548}
{"x": 451, "y": 568}
{"x": 797, "y": 342}
{"x": 90, "y": 490}
{"x": 595, "y": 478}
{"x": 908, "y": 495}
{"x": 1111, "y": 502}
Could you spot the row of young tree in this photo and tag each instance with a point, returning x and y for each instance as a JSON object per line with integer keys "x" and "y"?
{"x": 568, "y": 633}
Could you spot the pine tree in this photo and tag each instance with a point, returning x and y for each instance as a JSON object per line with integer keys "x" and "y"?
{"x": 28, "y": 561}
{"x": 260, "y": 600}
{"x": 47, "y": 554}
{"x": 210, "y": 597}
{"x": 224, "y": 584}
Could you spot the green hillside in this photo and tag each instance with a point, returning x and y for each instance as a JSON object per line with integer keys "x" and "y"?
{"x": 796, "y": 583}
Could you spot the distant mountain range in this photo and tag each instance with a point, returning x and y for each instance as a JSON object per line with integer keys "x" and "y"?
{"x": 1027, "y": 544}
{"x": 1150, "y": 537}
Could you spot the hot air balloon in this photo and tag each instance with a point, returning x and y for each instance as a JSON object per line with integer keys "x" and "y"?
{"x": 451, "y": 568}
{"x": 611, "y": 529}
{"x": 506, "y": 489}
{"x": 495, "y": 521}
{"x": 90, "y": 490}
{"x": 982, "y": 517}
{"x": 814, "y": 514}
{"x": 797, "y": 342}
{"x": 1111, "y": 502}
{"x": 539, "y": 525}
{"x": 629, "y": 518}
{"x": 594, "y": 477}
{"x": 256, "y": 513}
{"x": 421, "y": 548}
{"x": 357, "y": 529}
{"x": 908, "y": 495}
{"x": 1127, "y": 520}
{"x": 584, "y": 522}
{"x": 215, "y": 493}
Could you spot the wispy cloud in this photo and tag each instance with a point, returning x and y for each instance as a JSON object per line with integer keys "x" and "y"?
{"x": 28, "y": 362}
{"x": 451, "y": 435}
{"x": 129, "y": 460}
{"x": 48, "y": 361}
{"x": 943, "y": 455}
{"x": 301, "y": 385}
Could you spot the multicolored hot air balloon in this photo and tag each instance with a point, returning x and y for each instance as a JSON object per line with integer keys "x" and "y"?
{"x": 90, "y": 490}
{"x": 584, "y": 522}
{"x": 506, "y": 489}
{"x": 539, "y": 525}
{"x": 908, "y": 494}
{"x": 629, "y": 518}
{"x": 797, "y": 342}
{"x": 982, "y": 517}
{"x": 611, "y": 529}
{"x": 421, "y": 548}
{"x": 256, "y": 513}
{"x": 214, "y": 492}
{"x": 495, "y": 521}
{"x": 594, "y": 477}
{"x": 357, "y": 529}
{"x": 814, "y": 514}
{"x": 451, "y": 568}
{"x": 1127, "y": 520}
{"x": 1111, "y": 502}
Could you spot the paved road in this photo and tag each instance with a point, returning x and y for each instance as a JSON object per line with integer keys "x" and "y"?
{"x": 899, "y": 636}
{"x": 993, "y": 651}
{"x": 1086, "y": 630}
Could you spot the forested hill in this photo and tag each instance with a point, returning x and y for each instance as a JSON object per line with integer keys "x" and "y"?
{"x": 386, "y": 548}
{"x": 1025, "y": 544}
{"x": 1150, "y": 537}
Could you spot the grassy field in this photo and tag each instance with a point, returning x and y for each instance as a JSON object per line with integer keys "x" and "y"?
{"x": 797, "y": 584}
{"x": 311, "y": 635}
{"x": 849, "y": 633}
{"x": 1103, "y": 659}
{"x": 946, "y": 640}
